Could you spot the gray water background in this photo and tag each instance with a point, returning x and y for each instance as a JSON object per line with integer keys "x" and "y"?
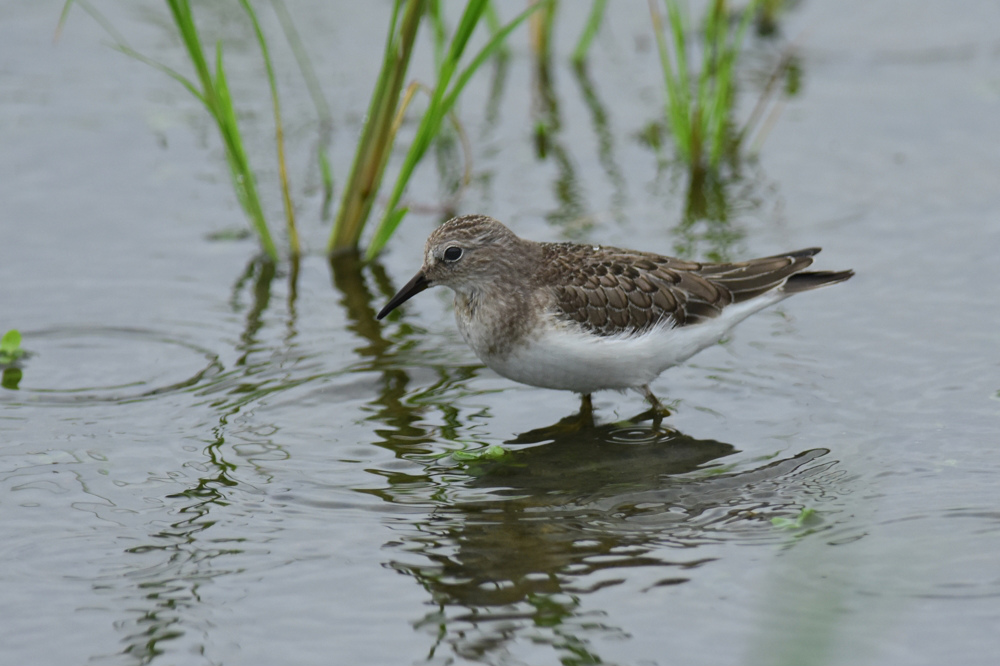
{"x": 200, "y": 466}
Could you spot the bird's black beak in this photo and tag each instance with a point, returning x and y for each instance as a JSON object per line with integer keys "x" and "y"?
{"x": 411, "y": 289}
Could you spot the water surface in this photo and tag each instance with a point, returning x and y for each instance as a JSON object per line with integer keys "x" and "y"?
{"x": 210, "y": 459}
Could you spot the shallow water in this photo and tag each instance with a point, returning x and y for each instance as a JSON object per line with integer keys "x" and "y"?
{"x": 210, "y": 460}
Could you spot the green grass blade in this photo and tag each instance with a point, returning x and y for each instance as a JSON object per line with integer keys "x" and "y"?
{"x": 243, "y": 179}
{"x": 678, "y": 112}
{"x": 318, "y": 98}
{"x": 98, "y": 17}
{"x": 377, "y": 136}
{"x": 219, "y": 102}
{"x": 470, "y": 18}
{"x": 279, "y": 135}
{"x": 430, "y": 123}
{"x": 436, "y": 16}
{"x": 326, "y": 172}
{"x": 302, "y": 60}
{"x": 119, "y": 44}
{"x": 181, "y": 11}
{"x": 225, "y": 119}
{"x": 363, "y": 179}
{"x": 213, "y": 93}
{"x": 678, "y": 28}
{"x": 713, "y": 91}
{"x": 63, "y": 15}
{"x": 699, "y": 107}
{"x": 590, "y": 29}
{"x": 491, "y": 47}
{"x": 10, "y": 343}
{"x": 441, "y": 103}
{"x": 720, "y": 124}
{"x": 493, "y": 23}
{"x": 172, "y": 73}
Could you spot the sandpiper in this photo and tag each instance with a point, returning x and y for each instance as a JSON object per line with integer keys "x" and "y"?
{"x": 584, "y": 317}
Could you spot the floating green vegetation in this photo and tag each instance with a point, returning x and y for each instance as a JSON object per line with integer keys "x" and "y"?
{"x": 806, "y": 516}
{"x": 492, "y": 452}
{"x": 700, "y": 105}
{"x": 10, "y": 347}
{"x": 10, "y": 353}
{"x": 10, "y": 378}
{"x": 386, "y": 109}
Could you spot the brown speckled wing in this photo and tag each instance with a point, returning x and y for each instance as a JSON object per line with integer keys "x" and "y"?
{"x": 611, "y": 291}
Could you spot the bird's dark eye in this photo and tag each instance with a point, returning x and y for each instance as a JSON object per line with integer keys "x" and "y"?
{"x": 453, "y": 253}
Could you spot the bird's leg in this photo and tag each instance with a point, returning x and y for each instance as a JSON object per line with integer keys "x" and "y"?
{"x": 648, "y": 394}
{"x": 658, "y": 410}
{"x": 586, "y": 415}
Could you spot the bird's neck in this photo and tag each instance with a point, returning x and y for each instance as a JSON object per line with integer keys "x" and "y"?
{"x": 494, "y": 319}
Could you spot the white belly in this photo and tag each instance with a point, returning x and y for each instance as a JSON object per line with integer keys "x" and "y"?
{"x": 568, "y": 358}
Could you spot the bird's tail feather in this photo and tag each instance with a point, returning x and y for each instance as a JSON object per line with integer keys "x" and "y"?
{"x": 814, "y": 279}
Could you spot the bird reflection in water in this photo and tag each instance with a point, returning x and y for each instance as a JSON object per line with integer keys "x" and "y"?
{"x": 511, "y": 551}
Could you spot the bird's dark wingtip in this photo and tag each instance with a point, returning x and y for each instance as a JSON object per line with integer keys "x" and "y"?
{"x": 814, "y": 280}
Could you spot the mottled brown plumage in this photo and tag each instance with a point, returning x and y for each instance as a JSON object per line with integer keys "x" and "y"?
{"x": 611, "y": 291}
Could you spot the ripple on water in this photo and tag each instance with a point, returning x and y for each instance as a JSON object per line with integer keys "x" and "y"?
{"x": 90, "y": 365}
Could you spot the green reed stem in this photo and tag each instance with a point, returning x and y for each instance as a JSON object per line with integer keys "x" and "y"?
{"x": 675, "y": 77}
{"x": 435, "y": 14}
{"x": 94, "y": 14}
{"x": 318, "y": 98}
{"x": 442, "y": 100}
{"x": 217, "y": 99}
{"x": 279, "y": 134}
{"x": 589, "y": 31}
{"x": 493, "y": 24}
{"x": 377, "y": 135}
{"x": 540, "y": 29}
